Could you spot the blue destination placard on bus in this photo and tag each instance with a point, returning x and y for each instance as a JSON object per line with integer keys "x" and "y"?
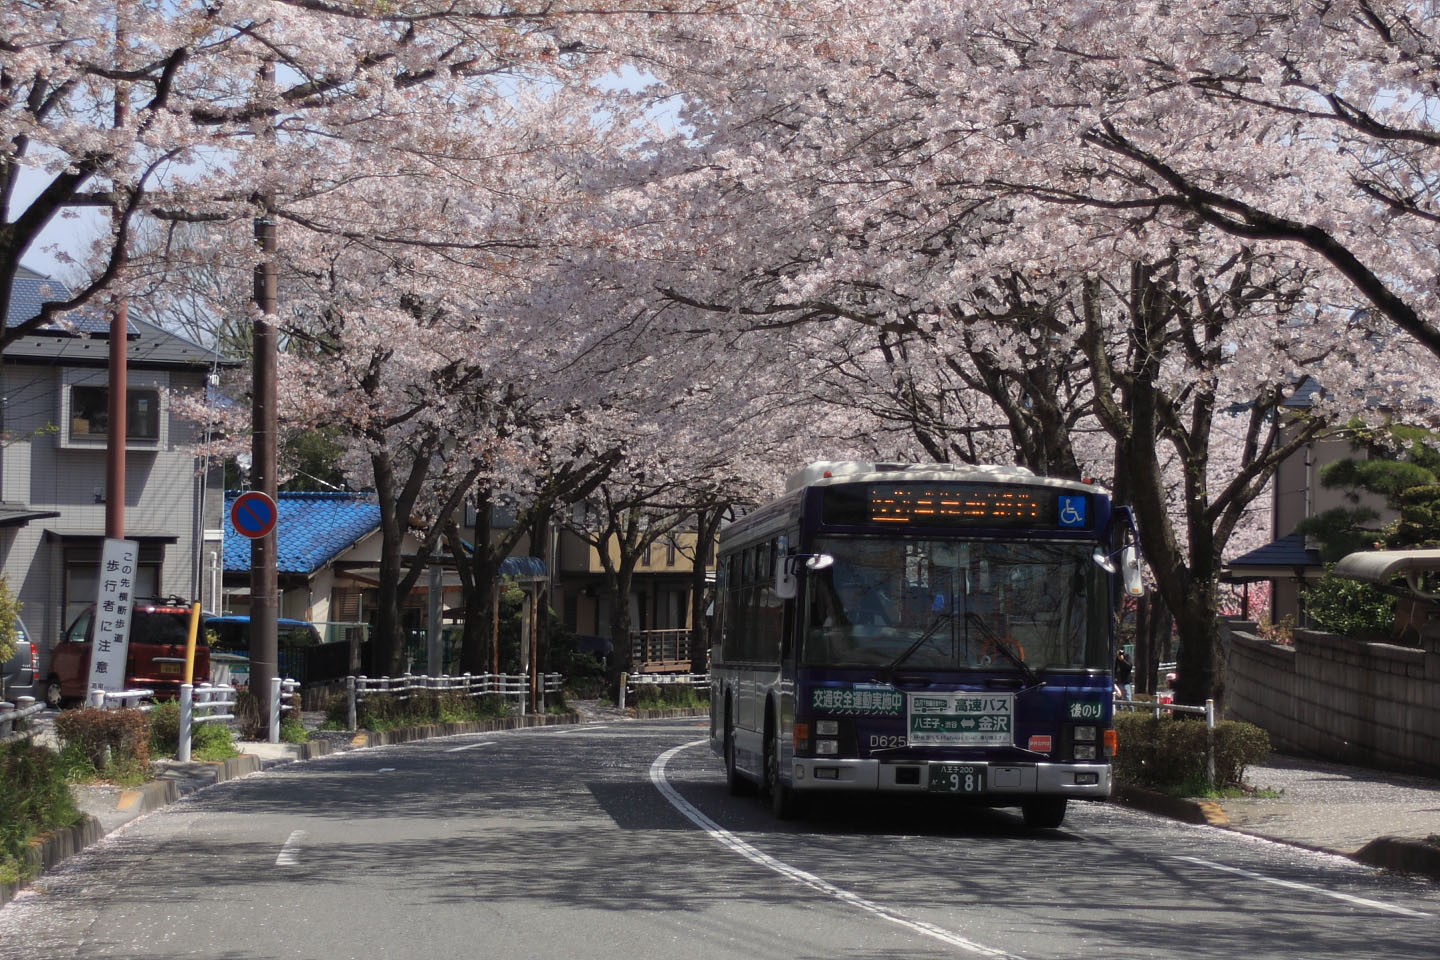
{"x": 957, "y": 505}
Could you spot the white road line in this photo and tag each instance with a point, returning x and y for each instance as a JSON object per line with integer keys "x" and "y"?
{"x": 1292, "y": 885}
{"x": 386, "y": 770}
{"x": 290, "y": 852}
{"x": 727, "y": 839}
{"x": 471, "y": 746}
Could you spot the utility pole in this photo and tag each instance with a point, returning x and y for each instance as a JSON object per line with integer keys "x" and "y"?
{"x": 264, "y": 599}
{"x": 116, "y": 427}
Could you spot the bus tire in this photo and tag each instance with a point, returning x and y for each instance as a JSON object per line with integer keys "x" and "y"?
{"x": 735, "y": 781}
{"x": 1044, "y": 812}
{"x": 784, "y": 802}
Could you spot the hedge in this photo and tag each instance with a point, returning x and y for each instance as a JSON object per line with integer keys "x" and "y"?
{"x": 1169, "y": 752}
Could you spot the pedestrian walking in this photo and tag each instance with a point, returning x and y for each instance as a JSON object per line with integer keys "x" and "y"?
{"x": 1124, "y": 672}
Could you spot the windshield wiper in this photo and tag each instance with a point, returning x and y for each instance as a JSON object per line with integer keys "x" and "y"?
{"x": 919, "y": 642}
{"x": 1003, "y": 648}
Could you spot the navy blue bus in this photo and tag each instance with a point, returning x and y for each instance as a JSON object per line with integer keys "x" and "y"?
{"x": 923, "y": 628}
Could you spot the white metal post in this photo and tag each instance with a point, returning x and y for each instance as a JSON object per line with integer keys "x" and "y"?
{"x": 274, "y": 709}
{"x": 1210, "y": 741}
{"x": 624, "y": 679}
{"x": 350, "y": 703}
{"x": 97, "y": 699}
{"x": 187, "y": 716}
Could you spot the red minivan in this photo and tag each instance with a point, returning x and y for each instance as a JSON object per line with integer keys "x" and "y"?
{"x": 155, "y": 659}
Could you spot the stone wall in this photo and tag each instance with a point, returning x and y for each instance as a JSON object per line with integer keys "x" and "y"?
{"x": 1370, "y": 704}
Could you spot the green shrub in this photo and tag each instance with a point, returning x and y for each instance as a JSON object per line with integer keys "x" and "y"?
{"x": 212, "y": 741}
{"x": 103, "y": 737}
{"x": 165, "y": 728}
{"x": 1168, "y": 753}
{"x": 293, "y": 731}
{"x": 382, "y": 712}
{"x": 34, "y": 798}
{"x": 664, "y": 696}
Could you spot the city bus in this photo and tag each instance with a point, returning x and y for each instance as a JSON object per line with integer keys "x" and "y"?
{"x": 921, "y": 629}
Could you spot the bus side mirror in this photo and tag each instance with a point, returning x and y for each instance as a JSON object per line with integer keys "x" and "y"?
{"x": 787, "y": 584}
{"x": 1130, "y": 571}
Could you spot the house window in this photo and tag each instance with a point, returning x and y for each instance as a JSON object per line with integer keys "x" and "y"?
{"x": 82, "y": 580}
{"x": 90, "y": 413}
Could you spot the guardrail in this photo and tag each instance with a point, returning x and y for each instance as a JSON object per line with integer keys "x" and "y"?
{"x": 124, "y": 699}
{"x": 1207, "y": 711}
{"x": 18, "y": 712}
{"x": 197, "y": 706}
{"x": 467, "y": 684}
{"x": 629, "y": 681}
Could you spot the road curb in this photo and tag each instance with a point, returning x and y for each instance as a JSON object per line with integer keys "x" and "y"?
{"x": 372, "y": 738}
{"x": 1402, "y": 855}
{"x": 670, "y": 713}
{"x": 1204, "y": 812}
{"x": 49, "y": 850}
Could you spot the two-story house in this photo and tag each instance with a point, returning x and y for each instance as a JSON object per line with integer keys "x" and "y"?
{"x": 54, "y": 389}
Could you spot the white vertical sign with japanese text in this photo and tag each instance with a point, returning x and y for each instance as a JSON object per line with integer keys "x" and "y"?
{"x": 119, "y": 562}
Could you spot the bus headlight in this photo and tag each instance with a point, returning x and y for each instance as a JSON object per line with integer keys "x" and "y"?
{"x": 1085, "y": 751}
{"x": 827, "y": 748}
{"x": 827, "y": 728}
{"x": 1085, "y": 733}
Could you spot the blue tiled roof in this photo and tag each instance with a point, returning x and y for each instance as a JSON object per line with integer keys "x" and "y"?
{"x": 311, "y": 529}
{"x": 32, "y": 289}
{"x": 1286, "y": 552}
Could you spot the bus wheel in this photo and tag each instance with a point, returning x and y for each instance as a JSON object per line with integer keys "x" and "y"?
{"x": 1044, "y": 812}
{"x": 783, "y": 801}
{"x": 735, "y": 782}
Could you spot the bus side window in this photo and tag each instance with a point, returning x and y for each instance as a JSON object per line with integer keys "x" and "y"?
{"x": 734, "y": 623}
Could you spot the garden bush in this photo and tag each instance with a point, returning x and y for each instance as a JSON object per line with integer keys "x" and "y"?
{"x": 34, "y": 798}
{"x": 1168, "y": 753}
{"x": 92, "y": 733}
{"x": 387, "y": 711}
{"x": 665, "y": 696}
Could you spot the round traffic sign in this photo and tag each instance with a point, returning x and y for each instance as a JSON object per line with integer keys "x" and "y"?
{"x": 253, "y": 514}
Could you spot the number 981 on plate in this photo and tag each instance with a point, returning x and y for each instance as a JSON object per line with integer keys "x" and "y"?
{"x": 957, "y": 778}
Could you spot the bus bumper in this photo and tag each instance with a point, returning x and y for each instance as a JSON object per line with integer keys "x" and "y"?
{"x": 1086, "y": 781}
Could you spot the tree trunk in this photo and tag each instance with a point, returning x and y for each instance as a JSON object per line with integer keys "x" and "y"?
{"x": 387, "y": 649}
{"x": 707, "y": 522}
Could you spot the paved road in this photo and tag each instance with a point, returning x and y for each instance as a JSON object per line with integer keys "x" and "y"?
{"x": 619, "y": 841}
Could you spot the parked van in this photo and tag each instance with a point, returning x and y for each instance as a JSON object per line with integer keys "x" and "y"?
{"x": 155, "y": 659}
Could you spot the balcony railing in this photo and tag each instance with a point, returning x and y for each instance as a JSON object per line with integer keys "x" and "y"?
{"x": 660, "y": 651}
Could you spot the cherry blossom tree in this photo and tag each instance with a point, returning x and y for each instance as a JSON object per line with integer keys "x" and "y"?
{"x": 929, "y": 172}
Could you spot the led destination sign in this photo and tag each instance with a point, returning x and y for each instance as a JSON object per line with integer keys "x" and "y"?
{"x": 956, "y": 505}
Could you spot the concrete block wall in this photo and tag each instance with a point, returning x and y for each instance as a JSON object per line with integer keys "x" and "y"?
{"x": 1372, "y": 704}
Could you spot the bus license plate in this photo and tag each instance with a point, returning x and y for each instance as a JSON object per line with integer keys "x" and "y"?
{"x": 957, "y": 778}
{"x": 175, "y": 668}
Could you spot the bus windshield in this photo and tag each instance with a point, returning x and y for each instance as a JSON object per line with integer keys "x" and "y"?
{"x": 949, "y": 604}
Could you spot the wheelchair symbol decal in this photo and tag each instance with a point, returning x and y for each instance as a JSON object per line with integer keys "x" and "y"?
{"x": 1072, "y": 511}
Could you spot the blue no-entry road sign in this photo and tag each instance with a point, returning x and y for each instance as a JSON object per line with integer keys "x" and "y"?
{"x": 253, "y": 514}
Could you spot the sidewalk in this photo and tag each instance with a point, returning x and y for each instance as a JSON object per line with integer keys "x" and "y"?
{"x": 1379, "y": 818}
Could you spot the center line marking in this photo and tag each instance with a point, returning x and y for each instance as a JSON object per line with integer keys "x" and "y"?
{"x": 754, "y": 855}
{"x": 290, "y": 852}
{"x": 1292, "y": 885}
{"x": 471, "y": 746}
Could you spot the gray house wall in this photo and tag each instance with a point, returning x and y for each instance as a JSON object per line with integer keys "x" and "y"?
{"x": 1370, "y": 704}
{"x": 42, "y": 468}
